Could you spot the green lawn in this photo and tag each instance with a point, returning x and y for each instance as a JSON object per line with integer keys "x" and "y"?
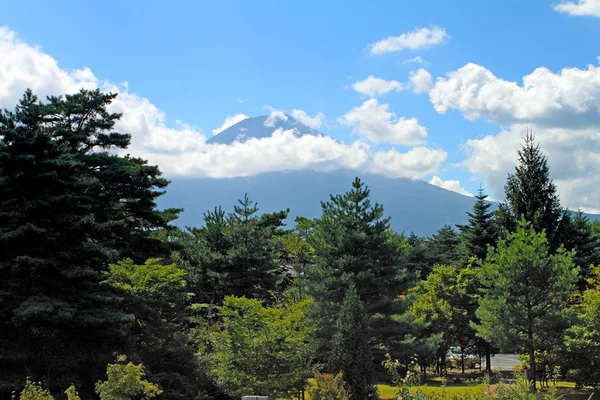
{"x": 389, "y": 392}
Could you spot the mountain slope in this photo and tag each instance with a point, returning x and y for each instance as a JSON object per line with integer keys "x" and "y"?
{"x": 412, "y": 205}
{"x": 255, "y": 127}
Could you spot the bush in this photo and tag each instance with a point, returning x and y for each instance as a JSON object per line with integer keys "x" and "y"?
{"x": 125, "y": 382}
{"x": 328, "y": 387}
{"x": 34, "y": 391}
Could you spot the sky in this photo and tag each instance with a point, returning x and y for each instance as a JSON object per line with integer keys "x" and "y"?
{"x": 433, "y": 90}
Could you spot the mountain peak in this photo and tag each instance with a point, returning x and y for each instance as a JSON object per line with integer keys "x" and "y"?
{"x": 261, "y": 127}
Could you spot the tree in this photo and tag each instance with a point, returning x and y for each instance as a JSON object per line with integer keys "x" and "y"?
{"x": 583, "y": 338}
{"x": 479, "y": 232}
{"x": 126, "y": 382}
{"x": 352, "y": 246}
{"x": 438, "y": 303}
{"x": 159, "y": 301}
{"x": 236, "y": 254}
{"x": 477, "y": 236}
{"x": 580, "y": 236}
{"x": 526, "y": 290}
{"x": 352, "y": 348}
{"x": 443, "y": 247}
{"x": 68, "y": 207}
{"x": 263, "y": 350}
{"x": 531, "y": 194}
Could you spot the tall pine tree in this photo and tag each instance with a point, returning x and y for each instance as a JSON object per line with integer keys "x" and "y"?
{"x": 68, "y": 207}
{"x": 480, "y": 231}
{"x": 352, "y": 348}
{"x": 531, "y": 194}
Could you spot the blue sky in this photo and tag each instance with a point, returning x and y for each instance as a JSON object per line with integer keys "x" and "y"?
{"x": 199, "y": 62}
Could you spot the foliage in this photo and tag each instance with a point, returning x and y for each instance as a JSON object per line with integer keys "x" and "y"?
{"x": 153, "y": 279}
{"x": 352, "y": 246}
{"x": 480, "y": 231}
{"x": 437, "y": 301}
{"x": 159, "y": 305}
{"x": 443, "y": 246}
{"x": 583, "y": 338}
{"x": 526, "y": 291}
{"x": 263, "y": 350}
{"x": 125, "y": 382}
{"x": 328, "y": 387}
{"x": 580, "y": 236}
{"x": 531, "y": 194}
{"x": 69, "y": 205}
{"x": 34, "y": 391}
{"x": 72, "y": 393}
{"x": 233, "y": 254}
{"x": 351, "y": 352}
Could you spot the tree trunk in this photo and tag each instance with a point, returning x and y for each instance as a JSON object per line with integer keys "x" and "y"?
{"x": 488, "y": 359}
{"x": 462, "y": 359}
{"x": 531, "y": 346}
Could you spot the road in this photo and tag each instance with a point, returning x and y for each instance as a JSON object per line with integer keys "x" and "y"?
{"x": 504, "y": 362}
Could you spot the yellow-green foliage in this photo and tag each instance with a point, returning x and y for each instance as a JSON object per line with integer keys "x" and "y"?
{"x": 72, "y": 394}
{"x": 328, "y": 387}
{"x": 125, "y": 382}
{"x": 34, "y": 391}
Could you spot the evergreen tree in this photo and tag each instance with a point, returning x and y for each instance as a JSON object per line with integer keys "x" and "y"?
{"x": 580, "y": 237}
{"x": 236, "y": 254}
{"x": 531, "y": 194}
{"x": 477, "y": 235}
{"x": 443, "y": 247}
{"x": 479, "y": 232}
{"x": 68, "y": 207}
{"x": 526, "y": 291}
{"x": 352, "y": 348}
{"x": 352, "y": 246}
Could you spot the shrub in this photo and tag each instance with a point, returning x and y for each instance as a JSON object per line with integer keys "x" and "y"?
{"x": 34, "y": 391}
{"x": 328, "y": 387}
{"x": 125, "y": 382}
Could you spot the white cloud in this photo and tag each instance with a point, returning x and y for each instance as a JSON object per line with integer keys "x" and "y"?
{"x": 230, "y": 121}
{"x": 573, "y": 157}
{"x": 589, "y": 8}
{"x": 416, "y": 163}
{"x": 568, "y": 98}
{"x": 453, "y": 185}
{"x": 274, "y": 116}
{"x": 182, "y": 150}
{"x": 419, "y": 38}
{"x": 421, "y": 81}
{"x": 312, "y": 122}
{"x": 374, "y": 122}
{"x": 416, "y": 60}
{"x": 374, "y": 87}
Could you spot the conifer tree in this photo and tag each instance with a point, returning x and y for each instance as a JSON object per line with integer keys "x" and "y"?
{"x": 68, "y": 207}
{"x": 352, "y": 348}
{"x": 531, "y": 194}
{"x": 479, "y": 232}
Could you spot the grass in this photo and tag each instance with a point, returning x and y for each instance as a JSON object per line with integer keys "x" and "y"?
{"x": 389, "y": 392}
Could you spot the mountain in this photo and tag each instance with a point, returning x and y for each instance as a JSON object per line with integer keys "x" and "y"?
{"x": 413, "y": 205}
{"x": 260, "y": 127}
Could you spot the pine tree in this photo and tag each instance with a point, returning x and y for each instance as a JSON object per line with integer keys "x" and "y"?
{"x": 443, "y": 247}
{"x": 351, "y": 348}
{"x": 236, "y": 254}
{"x": 526, "y": 292}
{"x": 531, "y": 194}
{"x": 580, "y": 237}
{"x": 352, "y": 245}
{"x": 479, "y": 232}
{"x": 68, "y": 207}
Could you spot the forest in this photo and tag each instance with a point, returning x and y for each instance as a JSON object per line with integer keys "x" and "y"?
{"x": 101, "y": 296}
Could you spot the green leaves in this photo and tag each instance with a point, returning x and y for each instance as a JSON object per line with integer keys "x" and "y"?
{"x": 263, "y": 350}
{"x": 125, "y": 382}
